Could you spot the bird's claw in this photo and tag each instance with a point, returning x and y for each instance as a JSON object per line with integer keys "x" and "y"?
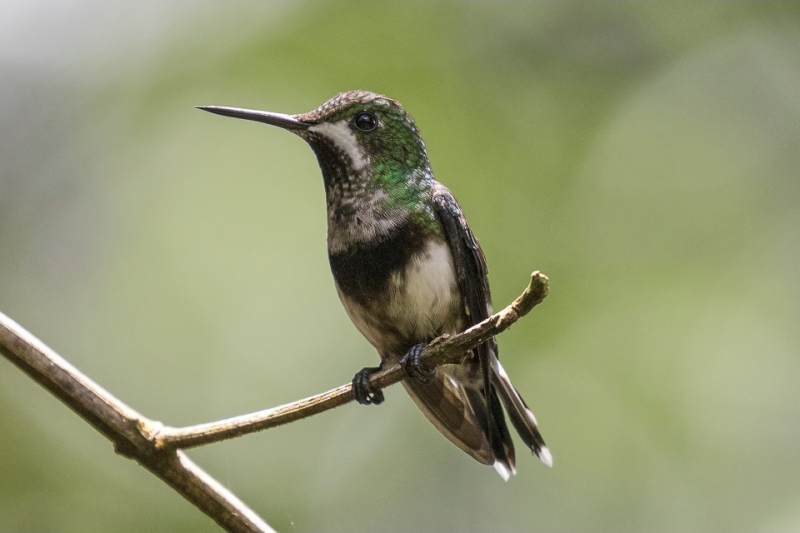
{"x": 363, "y": 391}
{"x": 413, "y": 366}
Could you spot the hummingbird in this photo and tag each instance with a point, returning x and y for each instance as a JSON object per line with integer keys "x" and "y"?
{"x": 407, "y": 268}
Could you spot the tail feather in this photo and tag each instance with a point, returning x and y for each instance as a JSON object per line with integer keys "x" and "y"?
{"x": 474, "y": 421}
{"x": 495, "y": 429}
{"x": 521, "y": 416}
{"x": 460, "y": 413}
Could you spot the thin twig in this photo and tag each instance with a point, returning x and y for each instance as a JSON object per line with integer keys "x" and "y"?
{"x": 443, "y": 350}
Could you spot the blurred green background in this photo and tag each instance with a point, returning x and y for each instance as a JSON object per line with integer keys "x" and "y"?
{"x": 645, "y": 156}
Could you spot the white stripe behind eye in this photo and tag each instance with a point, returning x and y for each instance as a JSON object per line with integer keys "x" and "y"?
{"x": 345, "y": 140}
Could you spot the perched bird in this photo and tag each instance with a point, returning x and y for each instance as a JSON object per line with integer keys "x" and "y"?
{"x": 407, "y": 269}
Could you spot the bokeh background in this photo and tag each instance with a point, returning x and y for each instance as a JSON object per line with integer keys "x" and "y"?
{"x": 646, "y": 156}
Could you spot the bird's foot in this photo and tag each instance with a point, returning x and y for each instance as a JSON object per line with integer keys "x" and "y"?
{"x": 363, "y": 391}
{"x": 414, "y": 367}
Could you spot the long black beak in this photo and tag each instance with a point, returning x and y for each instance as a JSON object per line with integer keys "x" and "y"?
{"x": 281, "y": 120}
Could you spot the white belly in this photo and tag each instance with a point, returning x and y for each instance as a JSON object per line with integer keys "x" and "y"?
{"x": 423, "y": 302}
{"x": 424, "y": 296}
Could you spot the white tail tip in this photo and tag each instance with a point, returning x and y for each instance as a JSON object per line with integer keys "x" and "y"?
{"x": 544, "y": 456}
{"x": 503, "y": 470}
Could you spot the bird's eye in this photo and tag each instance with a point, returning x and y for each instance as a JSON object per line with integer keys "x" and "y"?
{"x": 365, "y": 122}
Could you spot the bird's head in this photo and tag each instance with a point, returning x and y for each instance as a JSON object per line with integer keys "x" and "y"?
{"x": 354, "y": 133}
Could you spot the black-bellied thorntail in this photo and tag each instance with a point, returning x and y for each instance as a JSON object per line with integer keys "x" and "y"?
{"x": 408, "y": 268}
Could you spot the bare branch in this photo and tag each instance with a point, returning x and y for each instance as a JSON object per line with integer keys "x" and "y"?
{"x": 126, "y": 428}
{"x": 443, "y": 350}
{"x": 156, "y": 447}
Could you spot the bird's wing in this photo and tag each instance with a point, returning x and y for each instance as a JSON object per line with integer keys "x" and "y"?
{"x": 470, "y": 263}
{"x": 473, "y": 282}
